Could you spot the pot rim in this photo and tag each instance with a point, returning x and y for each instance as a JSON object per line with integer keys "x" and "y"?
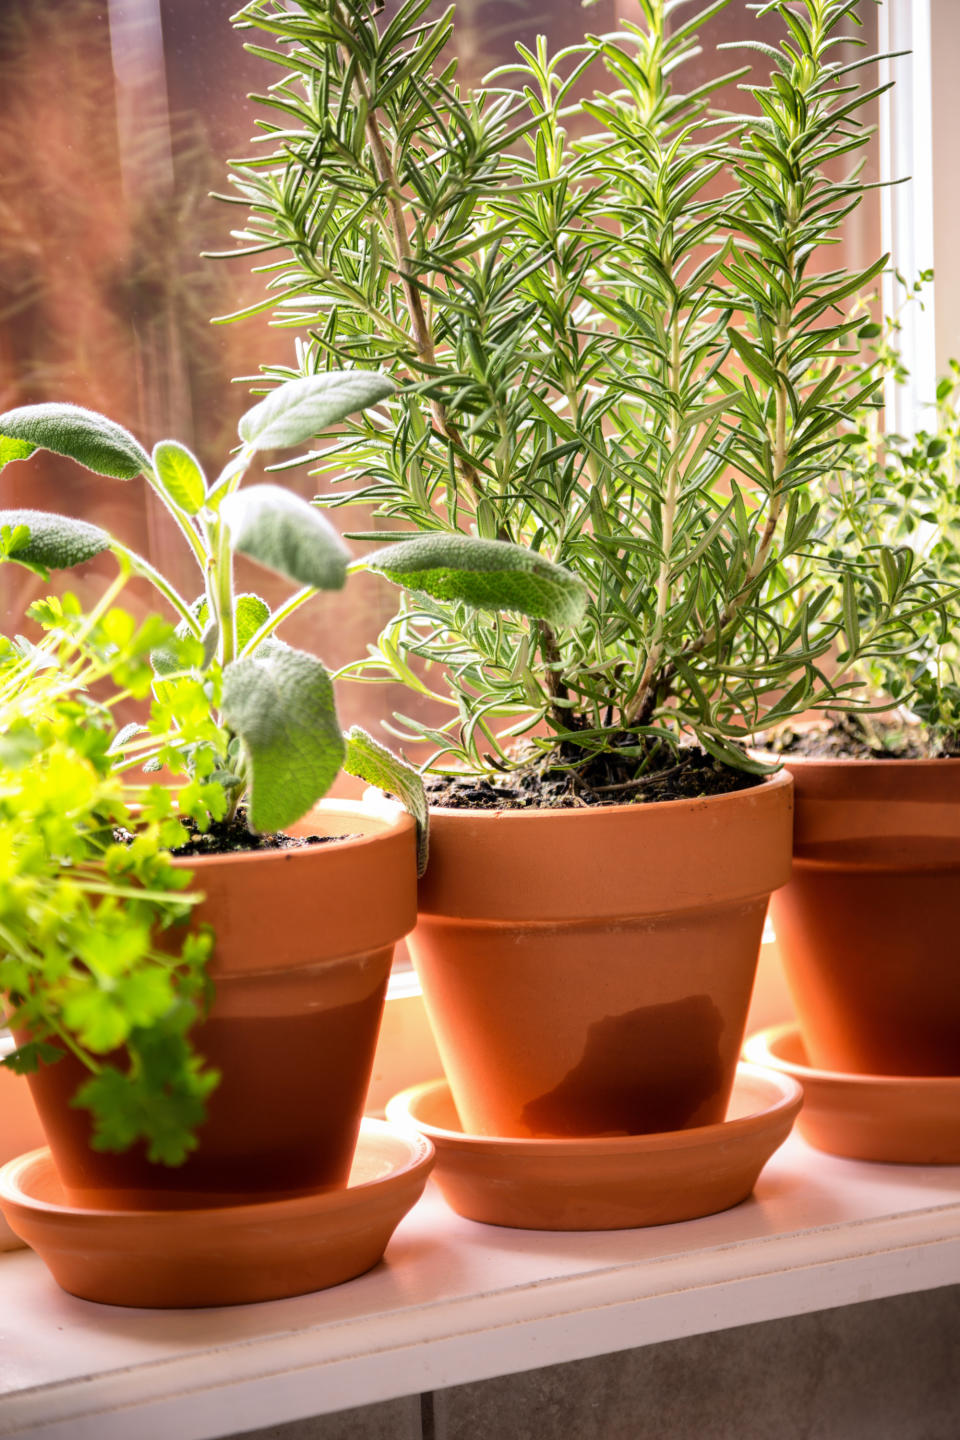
{"x": 779, "y": 779}
{"x": 392, "y": 819}
{"x": 861, "y": 762}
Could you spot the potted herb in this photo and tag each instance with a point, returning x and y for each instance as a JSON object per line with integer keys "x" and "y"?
{"x": 305, "y": 928}
{"x": 89, "y": 966}
{"x": 618, "y": 352}
{"x": 865, "y": 926}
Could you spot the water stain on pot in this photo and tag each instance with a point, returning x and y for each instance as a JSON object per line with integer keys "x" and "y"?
{"x": 652, "y": 1069}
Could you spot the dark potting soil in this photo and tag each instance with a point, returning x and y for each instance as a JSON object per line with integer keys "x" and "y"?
{"x": 849, "y": 737}
{"x": 225, "y": 837}
{"x": 555, "y": 782}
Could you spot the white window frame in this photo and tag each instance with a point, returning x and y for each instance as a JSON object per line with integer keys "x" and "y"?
{"x": 907, "y": 207}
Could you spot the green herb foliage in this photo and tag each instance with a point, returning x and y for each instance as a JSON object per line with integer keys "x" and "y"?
{"x": 892, "y": 529}
{"x": 623, "y": 352}
{"x": 86, "y": 967}
{"x": 247, "y": 715}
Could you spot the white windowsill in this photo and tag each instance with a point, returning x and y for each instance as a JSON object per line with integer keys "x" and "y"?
{"x": 457, "y": 1301}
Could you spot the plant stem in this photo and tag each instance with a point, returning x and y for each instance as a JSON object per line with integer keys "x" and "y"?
{"x": 779, "y": 455}
{"x": 168, "y": 591}
{"x": 223, "y": 578}
{"x": 420, "y": 325}
{"x": 646, "y": 691}
{"x": 180, "y": 520}
{"x": 300, "y": 597}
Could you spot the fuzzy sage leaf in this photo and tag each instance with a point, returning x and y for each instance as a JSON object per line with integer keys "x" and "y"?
{"x": 490, "y": 574}
{"x": 285, "y": 534}
{"x": 280, "y": 703}
{"x": 301, "y": 409}
{"x": 179, "y": 472}
{"x": 92, "y": 440}
{"x": 43, "y": 541}
{"x": 368, "y": 760}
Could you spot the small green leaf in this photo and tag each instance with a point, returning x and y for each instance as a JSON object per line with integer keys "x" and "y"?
{"x": 286, "y": 534}
{"x": 851, "y": 620}
{"x": 180, "y": 475}
{"x": 300, "y": 409}
{"x": 82, "y": 435}
{"x": 49, "y": 541}
{"x": 27, "y": 1058}
{"x": 251, "y": 612}
{"x": 491, "y": 574}
{"x": 280, "y": 702}
{"x": 368, "y": 760}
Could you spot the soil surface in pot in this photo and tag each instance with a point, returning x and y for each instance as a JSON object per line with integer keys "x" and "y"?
{"x": 850, "y": 737}
{"x": 558, "y": 782}
{"x": 227, "y": 836}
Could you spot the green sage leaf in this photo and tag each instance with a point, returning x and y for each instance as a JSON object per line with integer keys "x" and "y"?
{"x": 280, "y": 703}
{"x": 286, "y": 534}
{"x": 490, "y": 574}
{"x": 300, "y": 409}
{"x": 44, "y": 541}
{"x": 92, "y": 440}
{"x": 251, "y": 612}
{"x": 179, "y": 472}
{"x": 368, "y": 760}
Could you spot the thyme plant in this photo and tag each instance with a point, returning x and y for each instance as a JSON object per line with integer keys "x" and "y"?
{"x": 85, "y": 967}
{"x": 897, "y": 497}
{"x": 621, "y": 349}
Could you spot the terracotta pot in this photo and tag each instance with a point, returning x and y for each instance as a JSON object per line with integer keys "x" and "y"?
{"x": 588, "y": 972}
{"x": 868, "y": 926}
{"x": 20, "y": 1127}
{"x": 304, "y": 944}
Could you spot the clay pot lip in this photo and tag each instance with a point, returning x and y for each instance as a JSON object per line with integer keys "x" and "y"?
{"x": 392, "y": 820}
{"x": 781, "y": 780}
{"x": 786, "y": 1100}
{"x": 762, "y": 1051}
{"x": 810, "y": 762}
{"x": 418, "y": 1161}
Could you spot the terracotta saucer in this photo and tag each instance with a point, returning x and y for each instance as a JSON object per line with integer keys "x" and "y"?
{"x": 224, "y": 1255}
{"x": 20, "y": 1127}
{"x": 900, "y": 1119}
{"x": 605, "y": 1183}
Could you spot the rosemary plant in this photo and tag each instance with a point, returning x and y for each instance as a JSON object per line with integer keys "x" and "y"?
{"x": 618, "y": 348}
